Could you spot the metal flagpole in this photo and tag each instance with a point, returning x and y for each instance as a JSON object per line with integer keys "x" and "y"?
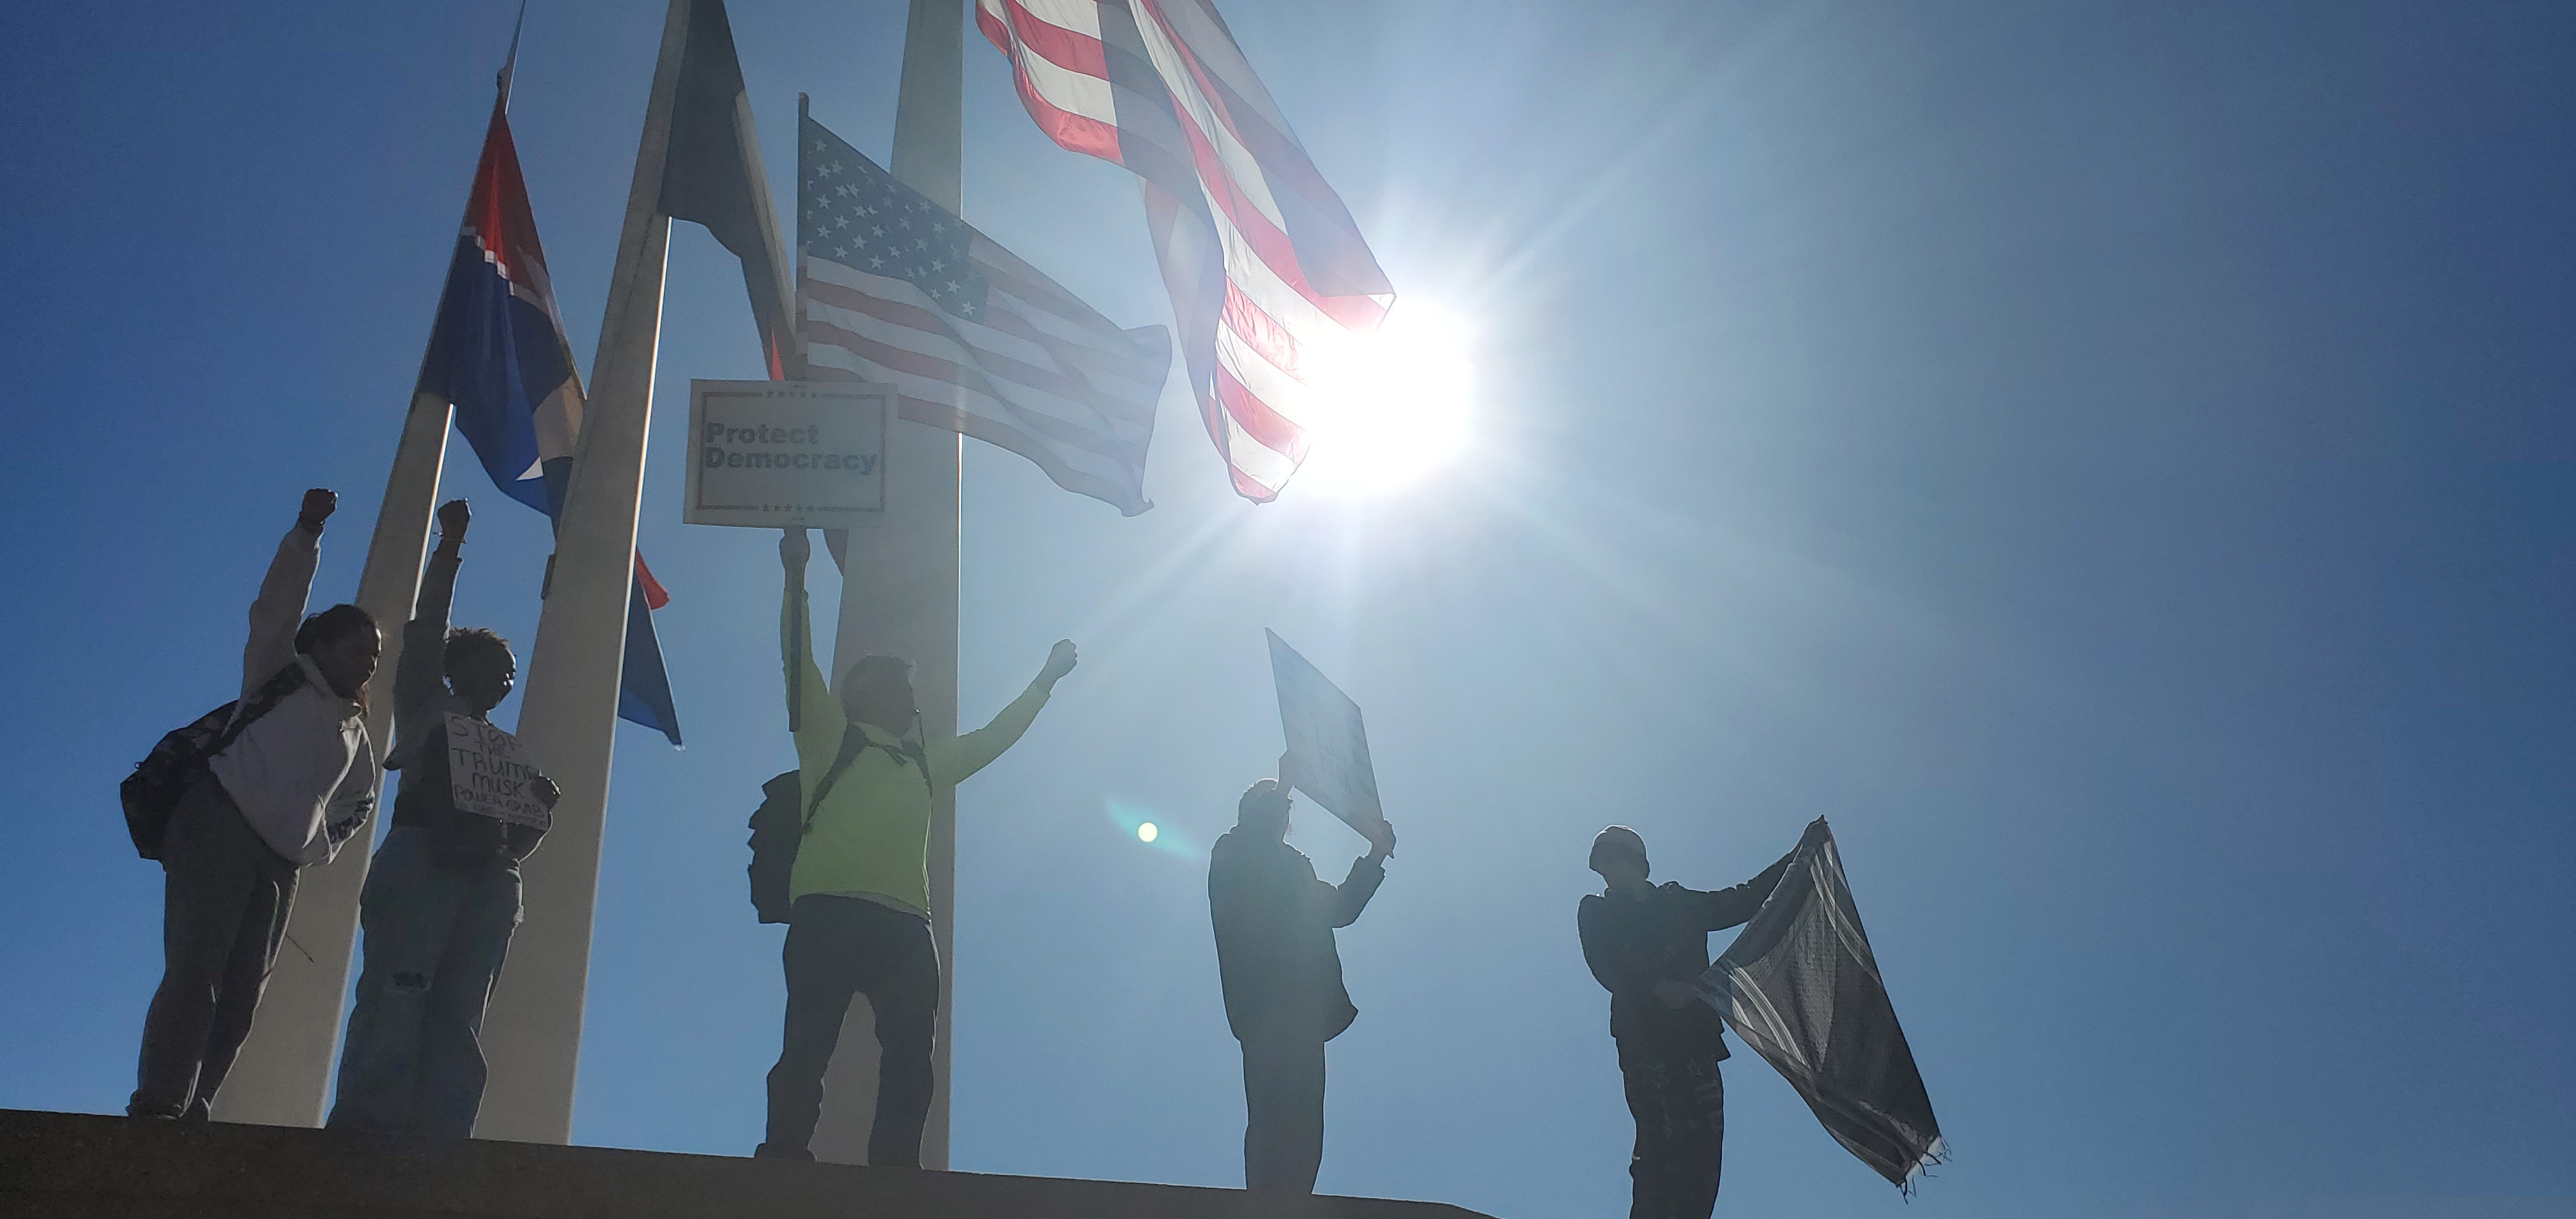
{"x": 283, "y": 1074}
{"x": 899, "y": 585}
{"x": 568, "y": 716}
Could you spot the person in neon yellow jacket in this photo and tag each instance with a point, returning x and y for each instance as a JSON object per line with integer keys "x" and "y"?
{"x": 859, "y": 919}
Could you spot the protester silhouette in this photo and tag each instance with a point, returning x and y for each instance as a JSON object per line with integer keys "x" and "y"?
{"x": 1646, "y": 943}
{"x": 442, "y": 894}
{"x": 296, "y": 779}
{"x": 1282, "y": 976}
{"x": 859, "y": 922}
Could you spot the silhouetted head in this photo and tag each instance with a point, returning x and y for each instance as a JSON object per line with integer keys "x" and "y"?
{"x": 1619, "y": 855}
{"x": 1263, "y": 810}
{"x": 344, "y": 644}
{"x": 878, "y": 690}
{"x": 480, "y": 667}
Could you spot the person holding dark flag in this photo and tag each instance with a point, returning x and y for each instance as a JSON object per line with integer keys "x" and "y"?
{"x": 1646, "y": 944}
{"x": 1282, "y": 975}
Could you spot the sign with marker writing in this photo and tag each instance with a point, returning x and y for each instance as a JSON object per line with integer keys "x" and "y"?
{"x": 489, "y": 777}
{"x": 1328, "y": 753}
{"x": 786, "y": 454}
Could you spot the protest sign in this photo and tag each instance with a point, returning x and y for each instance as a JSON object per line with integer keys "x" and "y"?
{"x": 489, "y": 777}
{"x": 1328, "y": 753}
{"x": 787, "y": 454}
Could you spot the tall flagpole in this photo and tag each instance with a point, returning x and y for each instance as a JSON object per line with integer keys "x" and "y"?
{"x": 568, "y": 716}
{"x": 283, "y": 1074}
{"x": 899, "y": 587}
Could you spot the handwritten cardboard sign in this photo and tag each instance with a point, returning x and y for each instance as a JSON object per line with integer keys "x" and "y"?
{"x": 489, "y": 777}
{"x": 1328, "y": 753}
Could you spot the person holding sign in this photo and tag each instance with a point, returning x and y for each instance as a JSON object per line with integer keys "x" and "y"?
{"x": 442, "y": 895}
{"x": 1275, "y": 919}
{"x": 859, "y": 891}
{"x": 1282, "y": 975}
{"x": 1647, "y": 944}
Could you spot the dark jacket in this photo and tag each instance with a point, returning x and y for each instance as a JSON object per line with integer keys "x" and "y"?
{"x": 422, "y": 700}
{"x": 1632, "y": 943}
{"x": 1274, "y": 937}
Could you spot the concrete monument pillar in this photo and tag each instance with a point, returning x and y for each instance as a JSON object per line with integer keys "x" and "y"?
{"x": 899, "y": 587}
{"x": 568, "y": 714}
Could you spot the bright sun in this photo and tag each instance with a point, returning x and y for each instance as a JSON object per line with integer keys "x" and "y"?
{"x": 1390, "y": 406}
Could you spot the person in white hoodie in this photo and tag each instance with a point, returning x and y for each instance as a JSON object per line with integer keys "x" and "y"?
{"x": 294, "y": 785}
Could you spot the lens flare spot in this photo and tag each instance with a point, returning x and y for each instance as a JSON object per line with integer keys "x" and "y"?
{"x": 1147, "y": 832}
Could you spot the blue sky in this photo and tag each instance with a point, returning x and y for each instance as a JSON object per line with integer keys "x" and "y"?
{"x": 2112, "y": 460}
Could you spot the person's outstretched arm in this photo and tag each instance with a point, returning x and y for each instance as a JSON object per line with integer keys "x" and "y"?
{"x": 951, "y": 762}
{"x": 1726, "y": 908}
{"x": 421, "y": 670}
{"x": 279, "y": 609}
{"x": 1367, "y": 873}
{"x": 812, "y": 715}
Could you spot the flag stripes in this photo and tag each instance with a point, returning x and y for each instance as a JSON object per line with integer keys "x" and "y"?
{"x": 892, "y": 289}
{"x": 1261, "y": 258}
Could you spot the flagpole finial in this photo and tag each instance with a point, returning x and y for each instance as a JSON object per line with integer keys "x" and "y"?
{"x": 510, "y": 62}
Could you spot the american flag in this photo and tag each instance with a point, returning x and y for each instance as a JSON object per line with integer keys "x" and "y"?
{"x": 1263, "y": 263}
{"x": 891, "y": 288}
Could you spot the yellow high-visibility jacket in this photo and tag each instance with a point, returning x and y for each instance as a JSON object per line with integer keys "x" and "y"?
{"x": 870, "y": 836}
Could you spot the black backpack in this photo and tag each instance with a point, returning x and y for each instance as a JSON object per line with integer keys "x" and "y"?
{"x": 777, "y": 829}
{"x": 778, "y": 826}
{"x": 179, "y": 760}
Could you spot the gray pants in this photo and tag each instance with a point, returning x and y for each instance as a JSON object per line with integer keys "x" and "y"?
{"x": 435, "y": 940}
{"x": 225, "y": 897}
{"x": 1283, "y": 1103}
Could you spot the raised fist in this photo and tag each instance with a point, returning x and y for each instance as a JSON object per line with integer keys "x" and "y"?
{"x": 318, "y": 506}
{"x": 1059, "y": 662}
{"x": 793, "y": 546}
{"x": 453, "y": 517}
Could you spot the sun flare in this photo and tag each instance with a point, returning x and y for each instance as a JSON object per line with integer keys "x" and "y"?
{"x": 1391, "y": 406}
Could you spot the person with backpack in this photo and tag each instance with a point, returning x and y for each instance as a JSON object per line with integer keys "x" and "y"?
{"x": 859, "y": 918}
{"x": 442, "y": 895}
{"x": 1282, "y": 977}
{"x": 291, "y": 778}
{"x": 1646, "y": 945}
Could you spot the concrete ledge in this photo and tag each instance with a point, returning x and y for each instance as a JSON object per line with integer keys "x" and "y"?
{"x": 84, "y": 1166}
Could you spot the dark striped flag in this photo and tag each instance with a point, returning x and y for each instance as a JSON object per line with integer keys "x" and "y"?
{"x": 1264, "y": 265}
{"x": 892, "y": 289}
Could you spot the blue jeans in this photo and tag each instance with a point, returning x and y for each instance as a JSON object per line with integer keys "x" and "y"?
{"x": 435, "y": 940}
